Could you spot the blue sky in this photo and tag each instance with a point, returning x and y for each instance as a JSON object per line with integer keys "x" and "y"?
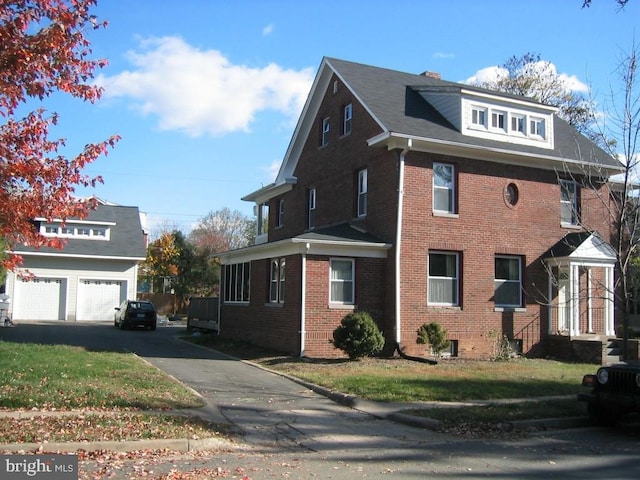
{"x": 206, "y": 93}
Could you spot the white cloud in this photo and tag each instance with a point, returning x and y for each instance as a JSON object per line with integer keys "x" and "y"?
{"x": 490, "y": 74}
{"x": 268, "y": 30}
{"x": 271, "y": 171}
{"x": 201, "y": 91}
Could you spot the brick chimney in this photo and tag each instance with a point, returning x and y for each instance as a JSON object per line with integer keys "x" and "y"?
{"x": 430, "y": 74}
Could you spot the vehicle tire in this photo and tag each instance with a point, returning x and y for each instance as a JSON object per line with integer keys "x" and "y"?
{"x": 601, "y": 415}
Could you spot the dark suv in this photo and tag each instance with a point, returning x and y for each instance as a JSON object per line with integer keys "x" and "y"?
{"x": 135, "y": 313}
{"x": 615, "y": 391}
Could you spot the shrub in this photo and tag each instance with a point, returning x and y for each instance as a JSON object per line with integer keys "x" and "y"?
{"x": 433, "y": 334}
{"x": 358, "y": 336}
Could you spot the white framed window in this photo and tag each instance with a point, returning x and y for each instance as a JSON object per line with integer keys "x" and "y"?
{"x": 499, "y": 120}
{"x": 51, "y": 230}
{"x": 280, "y": 216}
{"x": 568, "y": 202}
{"x": 443, "y": 281}
{"x": 83, "y": 231}
{"x": 519, "y": 124}
{"x": 99, "y": 232}
{"x": 537, "y": 127}
{"x": 276, "y": 286}
{"x": 66, "y": 231}
{"x": 341, "y": 281}
{"x": 508, "y": 281}
{"x": 311, "y": 208}
{"x": 444, "y": 191}
{"x": 479, "y": 116}
{"x": 324, "y": 138}
{"x": 362, "y": 193}
{"x": 237, "y": 282}
{"x": 347, "y": 117}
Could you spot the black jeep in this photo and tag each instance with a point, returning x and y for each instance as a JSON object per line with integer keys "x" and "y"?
{"x": 615, "y": 391}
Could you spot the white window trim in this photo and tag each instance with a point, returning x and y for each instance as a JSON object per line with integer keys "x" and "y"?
{"x": 277, "y": 281}
{"x": 326, "y": 127}
{"x": 74, "y": 231}
{"x": 347, "y": 123}
{"x": 353, "y": 281}
{"x": 452, "y": 211}
{"x": 574, "y": 207}
{"x": 363, "y": 187}
{"x": 456, "y": 278}
{"x": 478, "y": 111}
{"x": 496, "y": 113}
{"x": 503, "y": 281}
{"x": 311, "y": 209}
{"x": 227, "y": 296}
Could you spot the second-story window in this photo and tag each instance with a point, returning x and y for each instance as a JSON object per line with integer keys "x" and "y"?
{"x": 280, "y": 217}
{"x": 362, "y": 193}
{"x": 311, "y": 208}
{"x": 479, "y": 117}
{"x": 347, "y": 116}
{"x": 537, "y": 127}
{"x": 568, "y": 202}
{"x": 444, "y": 192}
{"x": 324, "y": 134}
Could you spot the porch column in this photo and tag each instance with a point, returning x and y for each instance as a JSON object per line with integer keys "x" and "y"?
{"x": 574, "y": 281}
{"x": 589, "y": 301}
{"x": 609, "y": 322}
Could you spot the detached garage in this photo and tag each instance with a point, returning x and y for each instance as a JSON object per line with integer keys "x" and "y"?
{"x": 94, "y": 272}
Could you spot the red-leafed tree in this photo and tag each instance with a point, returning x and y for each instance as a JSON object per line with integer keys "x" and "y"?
{"x": 43, "y": 50}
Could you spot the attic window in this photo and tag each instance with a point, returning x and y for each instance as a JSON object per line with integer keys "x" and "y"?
{"x": 479, "y": 116}
{"x": 324, "y": 137}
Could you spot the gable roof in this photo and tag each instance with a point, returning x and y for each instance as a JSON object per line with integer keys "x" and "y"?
{"x": 126, "y": 240}
{"x": 581, "y": 246}
{"x": 394, "y": 101}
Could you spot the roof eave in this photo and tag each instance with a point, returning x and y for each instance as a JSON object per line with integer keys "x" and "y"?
{"x": 393, "y": 141}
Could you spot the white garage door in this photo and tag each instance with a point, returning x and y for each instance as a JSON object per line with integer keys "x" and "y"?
{"x": 39, "y": 299}
{"x": 98, "y": 298}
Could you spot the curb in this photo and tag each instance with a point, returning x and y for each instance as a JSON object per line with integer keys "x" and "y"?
{"x": 176, "y": 444}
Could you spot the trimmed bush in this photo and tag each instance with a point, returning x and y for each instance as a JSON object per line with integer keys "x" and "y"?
{"x": 433, "y": 334}
{"x": 358, "y": 336}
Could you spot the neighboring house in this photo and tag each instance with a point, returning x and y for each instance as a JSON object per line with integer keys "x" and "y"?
{"x": 85, "y": 280}
{"x": 420, "y": 200}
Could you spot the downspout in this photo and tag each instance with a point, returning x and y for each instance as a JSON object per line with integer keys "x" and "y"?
{"x": 398, "y": 330}
{"x": 303, "y": 301}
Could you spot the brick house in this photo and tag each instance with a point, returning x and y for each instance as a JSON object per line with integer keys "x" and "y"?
{"x": 418, "y": 200}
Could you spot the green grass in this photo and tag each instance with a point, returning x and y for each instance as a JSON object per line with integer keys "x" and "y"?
{"x": 399, "y": 380}
{"x": 65, "y": 377}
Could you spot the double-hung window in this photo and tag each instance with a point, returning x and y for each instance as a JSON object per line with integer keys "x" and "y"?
{"x": 311, "y": 208}
{"x": 518, "y": 124}
{"x": 444, "y": 191}
{"x": 362, "y": 193}
{"x": 347, "y": 117}
{"x": 341, "y": 281}
{"x": 443, "y": 282}
{"x": 324, "y": 136}
{"x": 568, "y": 202}
{"x": 280, "y": 217}
{"x": 276, "y": 286}
{"x": 508, "y": 281}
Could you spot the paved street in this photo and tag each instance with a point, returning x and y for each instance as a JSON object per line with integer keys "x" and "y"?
{"x": 291, "y": 432}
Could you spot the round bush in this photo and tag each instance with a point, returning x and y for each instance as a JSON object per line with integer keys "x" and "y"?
{"x": 358, "y": 336}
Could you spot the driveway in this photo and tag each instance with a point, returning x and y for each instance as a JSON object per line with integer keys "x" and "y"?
{"x": 294, "y": 433}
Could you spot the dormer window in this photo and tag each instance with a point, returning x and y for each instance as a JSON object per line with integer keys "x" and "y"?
{"x": 536, "y": 127}
{"x": 513, "y": 122}
{"x": 498, "y": 120}
{"x": 479, "y": 117}
{"x": 519, "y": 124}
{"x": 49, "y": 230}
{"x": 86, "y": 231}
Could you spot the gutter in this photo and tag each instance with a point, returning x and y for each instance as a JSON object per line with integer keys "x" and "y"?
{"x": 303, "y": 301}
{"x": 403, "y": 153}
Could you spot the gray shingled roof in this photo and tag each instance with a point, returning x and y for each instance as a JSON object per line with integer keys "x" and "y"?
{"x": 126, "y": 236}
{"x": 340, "y": 233}
{"x": 393, "y": 98}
